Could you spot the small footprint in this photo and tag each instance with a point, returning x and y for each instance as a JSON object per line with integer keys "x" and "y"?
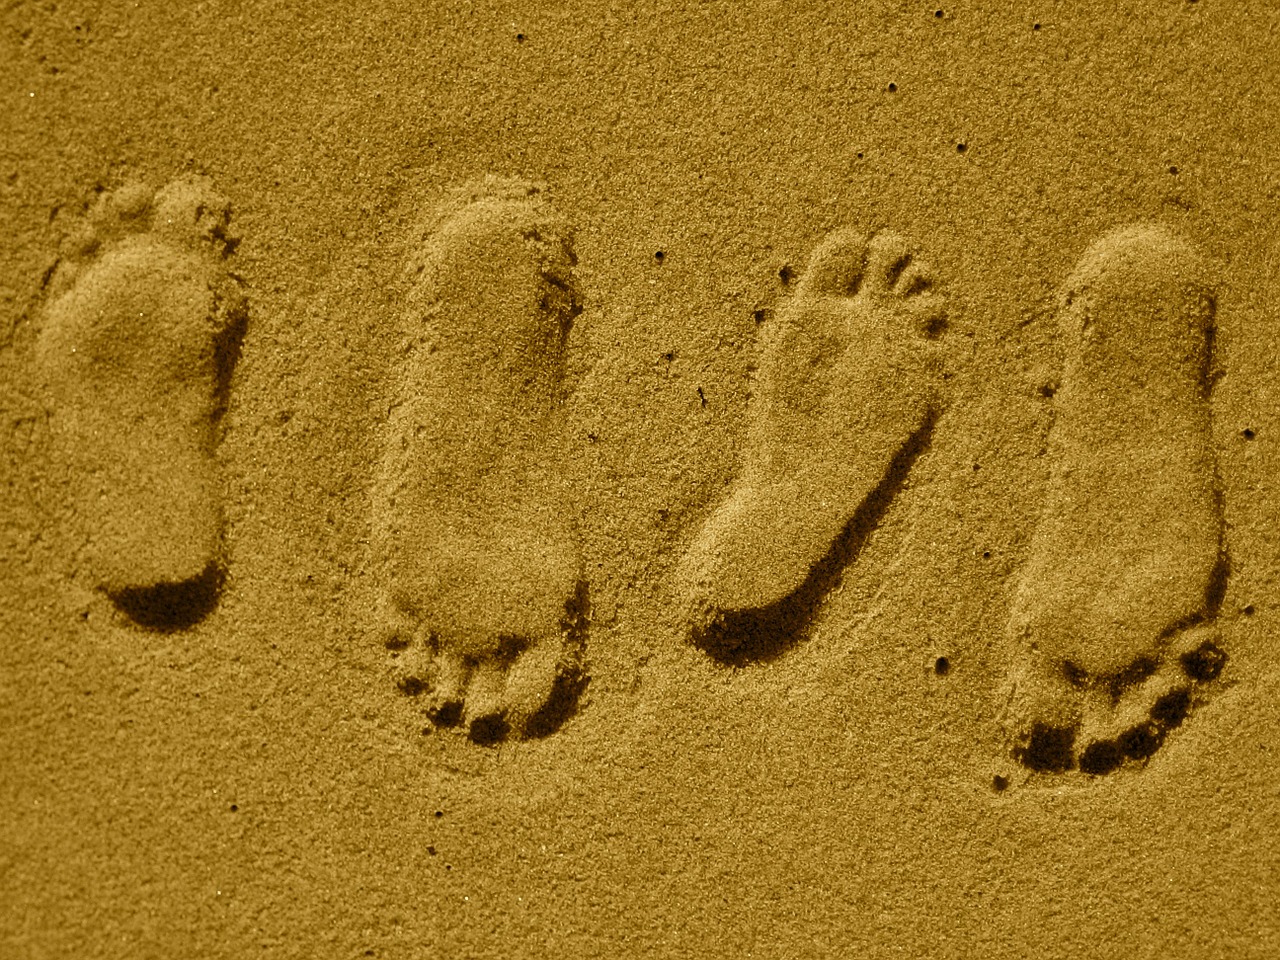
{"x": 484, "y": 608}
{"x": 1114, "y": 610}
{"x": 141, "y": 330}
{"x": 847, "y": 394}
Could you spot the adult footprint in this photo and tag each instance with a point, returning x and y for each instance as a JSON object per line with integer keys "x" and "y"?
{"x": 847, "y": 393}
{"x": 483, "y": 604}
{"x": 140, "y": 333}
{"x": 1114, "y": 609}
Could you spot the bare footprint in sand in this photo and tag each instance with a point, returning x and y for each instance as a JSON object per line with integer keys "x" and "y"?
{"x": 1115, "y": 608}
{"x": 140, "y": 333}
{"x": 846, "y": 397}
{"x": 483, "y": 603}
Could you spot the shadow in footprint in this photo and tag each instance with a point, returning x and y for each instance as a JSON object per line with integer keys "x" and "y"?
{"x": 561, "y": 704}
{"x": 169, "y": 607}
{"x": 743, "y": 637}
{"x": 1049, "y": 749}
{"x": 571, "y": 682}
{"x": 1141, "y": 741}
{"x": 474, "y": 447}
{"x": 140, "y": 336}
{"x": 227, "y": 346}
{"x": 1170, "y": 710}
{"x": 1133, "y": 516}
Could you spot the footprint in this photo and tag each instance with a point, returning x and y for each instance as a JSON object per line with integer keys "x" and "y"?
{"x": 1114, "y": 611}
{"x": 483, "y": 605}
{"x": 847, "y": 394}
{"x": 141, "y": 330}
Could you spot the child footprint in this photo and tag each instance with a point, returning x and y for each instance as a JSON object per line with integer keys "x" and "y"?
{"x": 483, "y": 605}
{"x": 140, "y": 333}
{"x": 1114, "y": 609}
{"x": 846, "y": 397}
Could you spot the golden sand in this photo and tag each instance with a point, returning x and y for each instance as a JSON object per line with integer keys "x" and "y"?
{"x": 720, "y": 480}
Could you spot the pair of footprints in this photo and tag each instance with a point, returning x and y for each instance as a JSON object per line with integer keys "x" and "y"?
{"x": 484, "y": 609}
{"x": 1115, "y": 609}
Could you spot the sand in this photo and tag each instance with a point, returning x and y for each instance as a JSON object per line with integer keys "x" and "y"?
{"x": 736, "y": 481}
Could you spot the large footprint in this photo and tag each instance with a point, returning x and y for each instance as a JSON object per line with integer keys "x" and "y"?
{"x": 141, "y": 330}
{"x": 483, "y": 605}
{"x": 1114, "y": 609}
{"x": 847, "y": 392}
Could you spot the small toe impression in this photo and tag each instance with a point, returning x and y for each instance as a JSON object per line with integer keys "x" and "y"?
{"x": 528, "y": 693}
{"x": 895, "y": 273}
{"x": 1101, "y": 758}
{"x": 915, "y": 278}
{"x": 922, "y": 301}
{"x": 489, "y": 730}
{"x": 485, "y": 707}
{"x": 836, "y": 265}
{"x": 522, "y": 691}
{"x": 530, "y": 682}
{"x": 888, "y": 257}
{"x": 883, "y": 268}
{"x": 446, "y": 690}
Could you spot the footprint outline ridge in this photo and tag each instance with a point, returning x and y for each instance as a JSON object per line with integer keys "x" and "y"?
{"x": 848, "y": 391}
{"x": 140, "y": 334}
{"x": 484, "y": 608}
{"x": 1114, "y": 616}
